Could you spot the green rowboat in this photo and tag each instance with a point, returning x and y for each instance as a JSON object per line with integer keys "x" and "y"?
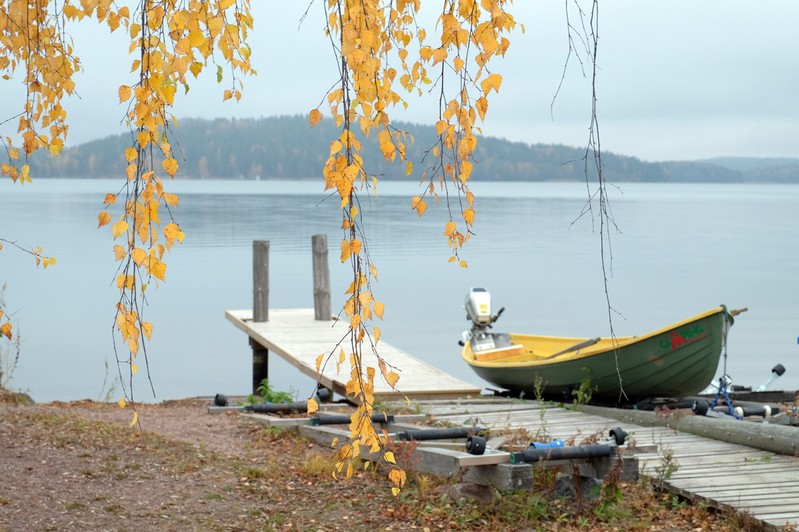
{"x": 675, "y": 361}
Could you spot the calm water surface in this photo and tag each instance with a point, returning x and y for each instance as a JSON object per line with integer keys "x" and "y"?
{"x": 679, "y": 250}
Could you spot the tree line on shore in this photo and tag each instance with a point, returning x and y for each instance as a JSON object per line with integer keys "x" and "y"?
{"x": 286, "y": 147}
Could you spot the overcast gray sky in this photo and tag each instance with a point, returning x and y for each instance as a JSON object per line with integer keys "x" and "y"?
{"x": 678, "y": 79}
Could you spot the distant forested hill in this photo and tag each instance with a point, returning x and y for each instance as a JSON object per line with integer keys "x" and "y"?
{"x": 287, "y": 147}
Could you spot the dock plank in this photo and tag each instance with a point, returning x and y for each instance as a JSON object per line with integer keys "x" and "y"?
{"x": 295, "y": 336}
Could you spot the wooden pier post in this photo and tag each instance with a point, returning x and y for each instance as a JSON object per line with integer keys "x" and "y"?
{"x": 321, "y": 278}
{"x": 260, "y": 308}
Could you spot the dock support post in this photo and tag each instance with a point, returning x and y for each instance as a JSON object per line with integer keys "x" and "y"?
{"x": 260, "y": 308}
{"x": 321, "y": 278}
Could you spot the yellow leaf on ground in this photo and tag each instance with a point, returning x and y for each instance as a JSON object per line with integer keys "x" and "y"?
{"x": 135, "y": 419}
{"x": 122, "y": 402}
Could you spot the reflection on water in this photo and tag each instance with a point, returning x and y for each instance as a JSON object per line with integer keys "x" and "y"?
{"x": 682, "y": 249}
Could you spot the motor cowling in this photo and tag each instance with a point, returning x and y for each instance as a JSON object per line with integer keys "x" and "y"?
{"x": 478, "y": 307}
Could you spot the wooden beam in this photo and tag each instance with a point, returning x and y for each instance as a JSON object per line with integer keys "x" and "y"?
{"x": 260, "y": 281}
{"x": 321, "y": 278}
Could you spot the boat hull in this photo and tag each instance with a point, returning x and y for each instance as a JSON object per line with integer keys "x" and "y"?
{"x": 675, "y": 361}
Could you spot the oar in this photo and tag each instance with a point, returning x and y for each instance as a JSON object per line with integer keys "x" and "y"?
{"x": 575, "y": 347}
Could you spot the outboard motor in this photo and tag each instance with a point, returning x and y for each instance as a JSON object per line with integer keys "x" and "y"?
{"x": 478, "y": 311}
{"x": 478, "y": 308}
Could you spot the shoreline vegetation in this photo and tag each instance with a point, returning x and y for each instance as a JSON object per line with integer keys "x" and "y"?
{"x": 286, "y": 147}
{"x": 79, "y": 465}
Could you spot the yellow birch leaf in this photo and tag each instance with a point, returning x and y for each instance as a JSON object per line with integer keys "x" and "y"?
{"x": 134, "y": 369}
{"x": 143, "y": 138}
{"x": 379, "y": 308}
{"x": 491, "y": 82}
{"x": 313, "y": 406}
{"x": 315, "y": 117}
{"x": 319, "y": 360}
{"x": 135, "y": 419}
{"x": 5, "y": 330}
{"x": 389, "y": 457}
{"x": 418, "y": 204}
{"x": 227, "y": 95}
{"x": 395, "y": 491}
{"x": 158, "y": 269}
{"x": 392, "y": 378}
{"x": 171, "y": 199}
{"x": 345, "y": 250}
{"x": 170, "y": 166}
{"x": 119, "y": 252}
{"x": 376, "y": 332}
{"x": 139, "y": 256}
{"x": 355, "y": 247}
{"x": 103, "y": 218}
{"x": 147, "y": 329}
{"x": 130, "y": 154}
{"x": 224, "y": 4}
{"x": 118, "y": 228}
{"x": 449, "y": 230}
{"x": 468, "y": 216}
{"x": 110, "y": 199}
{"x": 124, "y": 93}
{"x": 463, "y": 264}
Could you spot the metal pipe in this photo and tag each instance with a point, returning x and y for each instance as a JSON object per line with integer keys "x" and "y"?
{"x": 562, "y": 453}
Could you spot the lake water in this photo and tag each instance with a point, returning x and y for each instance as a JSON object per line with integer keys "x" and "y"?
{"x": 682, "y": 249}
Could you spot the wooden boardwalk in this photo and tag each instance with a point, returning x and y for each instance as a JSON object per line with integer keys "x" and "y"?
{"x": 720, "y": 474}
{"x": 298, "y": 338}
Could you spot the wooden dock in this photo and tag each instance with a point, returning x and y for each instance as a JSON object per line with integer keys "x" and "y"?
{"x": 719, "y": 474}
{"x": 298, "y": 338}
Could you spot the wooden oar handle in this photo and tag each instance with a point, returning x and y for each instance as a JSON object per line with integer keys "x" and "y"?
{"x": 737, "y": 311}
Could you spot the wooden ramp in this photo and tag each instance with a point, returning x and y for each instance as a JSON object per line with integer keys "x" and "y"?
{"x": 720, "y": 474}
{"x": 295, "y": 336}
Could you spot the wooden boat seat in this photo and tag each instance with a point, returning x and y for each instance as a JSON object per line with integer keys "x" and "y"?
{"x": 511, "y": 351}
